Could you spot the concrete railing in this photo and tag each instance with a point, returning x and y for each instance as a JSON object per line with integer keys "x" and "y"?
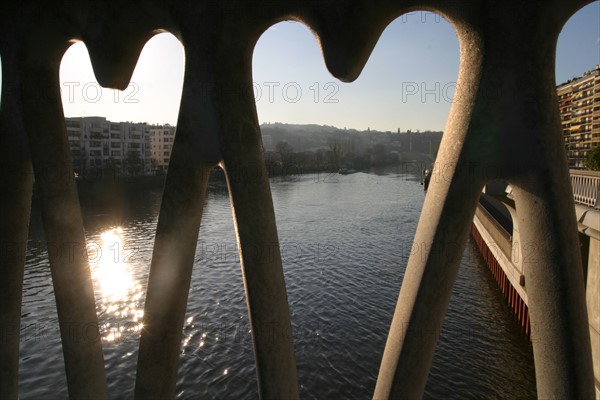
{"x": 586, "y": 187}
{"x": 504, "y": 125}
{"x": 502, "y": 239}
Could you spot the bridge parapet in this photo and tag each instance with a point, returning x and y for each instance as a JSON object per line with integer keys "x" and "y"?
{"x": 586, "y": 187}
{"x": 516, "y": 136}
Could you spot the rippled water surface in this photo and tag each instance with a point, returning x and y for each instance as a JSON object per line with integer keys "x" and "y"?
{"x": 345, "y": 242}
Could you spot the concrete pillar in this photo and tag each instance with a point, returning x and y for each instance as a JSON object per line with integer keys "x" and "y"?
{"x": 195, "y": 152}
{"x": 593, "y": 306}
{"x": 506, "y": 126}
{"x": 61, "y": 215}
{"x": 258, "y": 243}
{"x": 16, "y": 177}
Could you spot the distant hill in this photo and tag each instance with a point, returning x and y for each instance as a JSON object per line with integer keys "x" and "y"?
{"x": 303, "y": 138}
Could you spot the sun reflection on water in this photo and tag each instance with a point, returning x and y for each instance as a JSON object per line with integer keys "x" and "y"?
{"x": 118, "y": 293}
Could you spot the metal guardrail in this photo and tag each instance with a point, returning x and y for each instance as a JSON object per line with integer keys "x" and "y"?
{"x": 586, "y": 187}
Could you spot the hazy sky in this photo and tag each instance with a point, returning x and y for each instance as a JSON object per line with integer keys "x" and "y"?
{"x": 408, "y": 82}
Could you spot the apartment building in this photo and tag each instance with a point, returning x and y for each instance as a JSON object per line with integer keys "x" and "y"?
{"x": 161, "y": 146}
{"x": 100, "y": 147}
{"x": 579, "y": 102}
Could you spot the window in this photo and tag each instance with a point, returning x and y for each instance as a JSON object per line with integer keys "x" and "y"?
{"x": 74, "y": 124}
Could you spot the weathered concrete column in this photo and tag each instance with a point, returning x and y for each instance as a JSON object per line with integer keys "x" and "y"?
{"x": 443, "y": 229}
{"x": 254, "y": 218}
{"x": 506, "y": 126}
{"x": 61, "y": 215}
{"x": 555, "y": 288}
{"x": 527, "y": 115}
{"x": 16, "y": 180}
{"x": 260, "y": 257}
{"x": 593, "y": 305}
{"x": 195, "y": 152}
{"x": 545, "y": 211}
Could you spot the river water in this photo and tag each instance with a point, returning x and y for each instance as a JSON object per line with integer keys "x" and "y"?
{"x": 345, "y": 242}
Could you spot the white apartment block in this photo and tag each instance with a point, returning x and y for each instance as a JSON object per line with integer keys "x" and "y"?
{"x": 100, "y": 147}
{"x": 579, "y": 102}
{"x": 161, "y": 146}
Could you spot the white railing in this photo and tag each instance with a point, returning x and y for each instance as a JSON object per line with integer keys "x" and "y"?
{"x": 586, "y": 187}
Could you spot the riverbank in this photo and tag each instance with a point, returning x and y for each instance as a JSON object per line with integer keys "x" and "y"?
{"x": 108, "y": 187}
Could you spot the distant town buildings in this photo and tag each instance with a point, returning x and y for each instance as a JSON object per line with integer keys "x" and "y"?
{"x": 103, "y": 148}
{"x": 579, "y": 102}
{"x": 161, "y": 145}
